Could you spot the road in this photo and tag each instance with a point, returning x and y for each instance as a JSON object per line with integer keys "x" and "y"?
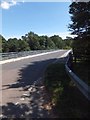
{"x": 18, "y": 75}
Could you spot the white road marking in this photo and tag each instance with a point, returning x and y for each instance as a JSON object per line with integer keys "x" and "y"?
{"x": 64, "y": 55}
{"x": 30, "y": 56}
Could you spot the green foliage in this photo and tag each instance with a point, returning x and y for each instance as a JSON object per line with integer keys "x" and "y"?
{"x": 0, "y": 43}
{"x": 53, "y": 81}
{"x": 80, "y": 12}
{"x": 57, "y": 41}
{"x": 49, "y": 44}
{"x": 56, "y": 80}
{"x": 80, "y": 17}
{"x": 67, "y": 100}
{"x": 67, "y": 43}
{"x": 32, "y": 41}
{"x": 3, "y": 44}
{"x": 23, "y": 45}
{"x": 42, "y": 41}
{"x": 12, "y": 45}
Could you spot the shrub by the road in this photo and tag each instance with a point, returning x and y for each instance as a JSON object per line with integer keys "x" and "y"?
{"x": 68, "y": 101}
{"x": 56, "y": 80}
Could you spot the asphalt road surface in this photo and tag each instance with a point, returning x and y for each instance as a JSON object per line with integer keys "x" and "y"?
{"x": 17, "y": 76}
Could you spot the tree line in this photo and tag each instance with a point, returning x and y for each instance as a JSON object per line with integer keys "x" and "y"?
{"x": 32, "y": 41}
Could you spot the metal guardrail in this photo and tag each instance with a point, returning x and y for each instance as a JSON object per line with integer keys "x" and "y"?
{"x": 10, "y": 55}
{"x": 82, "y": 86}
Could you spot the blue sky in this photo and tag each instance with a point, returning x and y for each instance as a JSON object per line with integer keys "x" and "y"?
{"x": 43, "y": 18}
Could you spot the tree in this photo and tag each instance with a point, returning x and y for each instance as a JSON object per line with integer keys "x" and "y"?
{"x": 49, "y": 44}
{"x": 13, "y": 44}
{"x": 67, "y": 43}
{"x": 23, "y": 45}
{"x": 42, "y": 42}
{"x": 80, "y": 17}
{"x": 57, "y": 41}
{"x": 3, "y": 44}
{"x": 0, "y": 43}
{"x": 33, "y": 41}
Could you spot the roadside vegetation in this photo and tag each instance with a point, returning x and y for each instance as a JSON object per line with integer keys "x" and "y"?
{"x": 32, "y": 41}
{"x": 80, "y": 26}
{"x": 66, "y": 99}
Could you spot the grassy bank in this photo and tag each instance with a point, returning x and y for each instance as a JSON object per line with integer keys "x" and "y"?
{"x": 68, "y": 101}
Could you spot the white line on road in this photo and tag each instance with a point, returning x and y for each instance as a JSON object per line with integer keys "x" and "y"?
{"x": 64, "y": 55}
{"x": 30, "y": 56}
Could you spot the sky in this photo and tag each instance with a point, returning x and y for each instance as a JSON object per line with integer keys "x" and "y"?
{"x": 42, "y": 18}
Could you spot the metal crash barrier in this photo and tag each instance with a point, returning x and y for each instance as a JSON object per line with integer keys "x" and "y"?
{"x": 82, "y": 86}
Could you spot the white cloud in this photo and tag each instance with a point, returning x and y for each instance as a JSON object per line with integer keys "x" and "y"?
{"x": 45, "y": 0}
{"x": 60, "y": 0}
{"x": 66, "y": 34}
{"x": 61, "y": 34}
{"x": 6, "y": 4}
{"x": 14, "y": 2}
{"x": 23, "y": 1}
{"x": 80, "y": 0}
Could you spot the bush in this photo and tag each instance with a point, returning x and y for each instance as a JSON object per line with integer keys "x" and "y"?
{"x": 67, "y": 99}
{"x": 54, "y": 73}
{"x": 56, "y": 80}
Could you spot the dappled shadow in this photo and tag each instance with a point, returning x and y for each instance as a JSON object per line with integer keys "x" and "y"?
{"x": 14, "y": 111}
{"x": 29, "y": 74}
{"x": 35, "y": 103}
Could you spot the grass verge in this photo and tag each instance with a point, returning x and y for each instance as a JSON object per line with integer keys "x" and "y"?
{"x": 67, "y": 99}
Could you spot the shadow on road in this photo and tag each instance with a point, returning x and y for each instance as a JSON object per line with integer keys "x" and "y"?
{"x": 14, "y": 111}
{"x": 29, "y": 74}
{"x": 36, "y": 103}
